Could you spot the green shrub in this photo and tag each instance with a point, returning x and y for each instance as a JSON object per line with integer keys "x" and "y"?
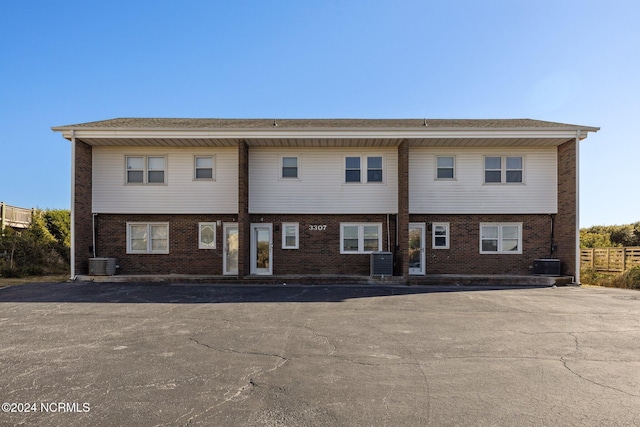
{"x": 36, "y": 250}
{"x": 630, "y": 279}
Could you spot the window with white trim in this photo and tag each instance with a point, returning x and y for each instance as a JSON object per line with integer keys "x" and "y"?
{"x": 354, "y": 166}
{"x": 503, "y": 169}
{"x": 204, "y": 168}
{"x": 356, "y": 238}
{"x": 352, "y": 169}
{"x": 445, "y": 167}
{"x": 145, "y": 169}
{"x": 206, "y": 235}
{"x": 440, "y": 235}
{"x": 501, "y": 238}
{"x": 289, "y": 167}
{"x": 290, "y": 235}
{"x": 374, "y": 169}
{"x": 147, "y": 238}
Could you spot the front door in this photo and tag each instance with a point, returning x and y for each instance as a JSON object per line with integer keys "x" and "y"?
{"x": 261, "y": 249}
{"x": 230, "y": 253}
{"x": 416, "y": 248}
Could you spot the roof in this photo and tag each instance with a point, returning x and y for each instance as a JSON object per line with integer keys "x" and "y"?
{"x": 203, "y": 132}
{"x": 212, "y": 123}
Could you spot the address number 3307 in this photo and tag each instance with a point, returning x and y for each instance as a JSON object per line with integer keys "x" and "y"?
{"x": 317, "y": 227}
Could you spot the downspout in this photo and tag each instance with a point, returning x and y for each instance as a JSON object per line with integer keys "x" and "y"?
{"x": 552, "y": 246}
{"x": 93, "y": 233}
{"x": 577, "y": 254}
{"x": 388, "y": 236}
{"x": 73, "y": 204}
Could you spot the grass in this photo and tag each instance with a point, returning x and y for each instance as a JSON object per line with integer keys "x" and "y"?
{"x": 630, "y": 279}
{"x": 6, "y": 281}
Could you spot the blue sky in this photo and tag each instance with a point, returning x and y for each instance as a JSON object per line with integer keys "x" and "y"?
{"x": 560, "y": 60}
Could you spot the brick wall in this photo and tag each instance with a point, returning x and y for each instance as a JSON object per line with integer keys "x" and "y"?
{"x": 402, "y": 253}
{"x": 565, "y": 224}
{"x": 244, "y": 231}
{"x": 184, "y": 256}
{"x": 463, "y": 255}
{"x": 318, "y": 253}
{"x": 319, "y": 250}
{"x": 82, "y": 235}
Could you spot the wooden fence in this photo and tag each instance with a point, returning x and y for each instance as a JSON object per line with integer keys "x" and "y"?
{"x": 610, "y": 259}
{"x": 11, "y": 216}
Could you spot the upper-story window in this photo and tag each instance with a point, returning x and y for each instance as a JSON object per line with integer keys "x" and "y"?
{"x": 503, "y": 169}
{"x": 445, "y": 167}
{"x": 204, "y": 167}
{"x": 289, "y": 167}
{"x": 145, "y": 169}
{"x": 353, "y": 169}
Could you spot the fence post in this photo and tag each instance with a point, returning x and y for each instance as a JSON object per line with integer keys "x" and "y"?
{"x": 624, "y": 259}
{"x": 593, "y": 257}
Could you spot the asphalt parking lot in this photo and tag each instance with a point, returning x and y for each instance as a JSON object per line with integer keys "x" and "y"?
{"x": 180, "y": 354}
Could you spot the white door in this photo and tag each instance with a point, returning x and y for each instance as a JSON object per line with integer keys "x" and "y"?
{"x": 416, "y": 248}
{"x": 261, "y": 249}
{"x": 230, "y": 253}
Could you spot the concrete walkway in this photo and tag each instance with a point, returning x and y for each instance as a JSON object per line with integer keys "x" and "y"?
{"x": 183, "y": 354}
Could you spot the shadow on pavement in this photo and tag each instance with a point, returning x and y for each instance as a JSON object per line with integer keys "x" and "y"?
{"x": 185, "y": 293}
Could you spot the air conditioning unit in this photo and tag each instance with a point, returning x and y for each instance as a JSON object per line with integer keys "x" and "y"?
{"x": 102, "y": 266}
{"x": 381, "y": 264}
{"x": 546, "y": 267}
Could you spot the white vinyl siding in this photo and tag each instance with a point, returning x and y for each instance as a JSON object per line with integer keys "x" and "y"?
{"x": 320, "y": 187}
{"x": 468, "y": 193}
{"x": 180, "y": 192}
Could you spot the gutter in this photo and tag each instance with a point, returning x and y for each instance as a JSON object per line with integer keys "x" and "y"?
{"x": 73, "y": 204}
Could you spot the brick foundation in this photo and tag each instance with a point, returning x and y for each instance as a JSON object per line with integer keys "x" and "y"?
{"x": 184, "y": 257}
{"x": 463, "y": 255}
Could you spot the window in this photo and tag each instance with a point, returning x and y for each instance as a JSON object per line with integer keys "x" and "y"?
{"x": 514, "y": 169}
{"x": 145, "y": 169}
{"x": 374, "y": 169}
{"x": 503, "y": 169}
{"x": 353, "y": 169}
{"x": 290, "y": 239}
{"x": 135, "y": 169}
{"x": 147, "y": 238}
{"x": 497, "y": 238}
{"x": 352, "y": 172}
{"x": 206, "y": 235}
{"x": 203, "y": 168}
{"x": 360, "y": 238}
{"x": 445, "y": 167}
{"x": 289, "y": 167}
{"x": 440, "y": 235}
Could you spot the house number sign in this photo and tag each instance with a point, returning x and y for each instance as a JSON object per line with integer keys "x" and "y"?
{"x": 318, "y": 227}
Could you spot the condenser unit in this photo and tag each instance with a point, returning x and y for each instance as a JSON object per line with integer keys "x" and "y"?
{"x": 546, "y": 267}
{"x": 102, "y": 266}
{"x": 381, "y": 264}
